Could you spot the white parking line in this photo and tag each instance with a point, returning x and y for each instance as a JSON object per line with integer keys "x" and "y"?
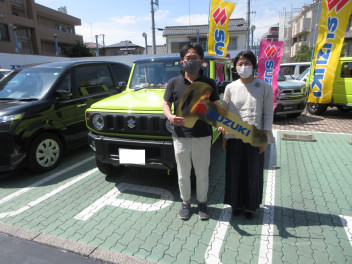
{"x": 266, "y": 246}
{"x": 347, "y": 225}
{"x": 214, "y": 247}
{"x": 46, "y": 196}
{"x": 267, "y": 235}
{"x": 42, "y": 181}
{"x": 166, "y": 199}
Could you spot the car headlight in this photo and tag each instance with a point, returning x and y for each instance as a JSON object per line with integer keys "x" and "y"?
{"x": 98, "y": 122}
{"x": 6, "y": 122}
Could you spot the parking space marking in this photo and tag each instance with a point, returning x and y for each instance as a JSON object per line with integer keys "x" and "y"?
{"x": 347, "y": 225}
{"x": 48, "y": 195}
{"x": 265, "y": 251}
{"x": 213, "y": 251}
{"x": 42, "y": 181}
{"x": 267, "y": 234}
{"x": 166, "y": 199}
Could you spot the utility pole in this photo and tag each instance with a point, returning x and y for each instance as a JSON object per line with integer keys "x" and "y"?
{"x": 248, "y": 23}
{"x": 153, "y": 24}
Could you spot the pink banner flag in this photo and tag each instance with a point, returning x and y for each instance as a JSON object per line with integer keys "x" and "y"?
{"x": 269, "y": 58}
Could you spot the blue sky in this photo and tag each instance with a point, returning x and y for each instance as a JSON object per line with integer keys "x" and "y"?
{"x": 127, "y": 20}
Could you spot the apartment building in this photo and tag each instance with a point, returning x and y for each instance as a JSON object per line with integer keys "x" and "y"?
{"x": 30, "y": 28}
{"x": 297, "y": 28}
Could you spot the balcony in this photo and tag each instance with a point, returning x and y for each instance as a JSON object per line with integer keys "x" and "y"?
{"x": 302, "y": 26}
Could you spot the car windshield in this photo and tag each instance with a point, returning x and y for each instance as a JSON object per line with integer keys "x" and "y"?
{"x": 301, "y": 76}
{"x": 281, "y": 77}
{"x": 30, "y": 83}
{"x": 155, "y": 74}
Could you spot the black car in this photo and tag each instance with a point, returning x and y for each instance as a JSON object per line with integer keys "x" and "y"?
{"x": 42, "y": 109}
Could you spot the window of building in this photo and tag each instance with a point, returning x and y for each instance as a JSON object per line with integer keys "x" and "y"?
{"x": 232, "y": 44}
{"x": 4, "y": 32}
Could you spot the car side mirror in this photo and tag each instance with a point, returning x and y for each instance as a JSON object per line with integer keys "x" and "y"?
{"x": 63, "y": 94}
{"x": 121, "y": 85}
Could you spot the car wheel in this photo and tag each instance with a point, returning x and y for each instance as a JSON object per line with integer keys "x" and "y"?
{"x": 344, "y": 109}
{"x": 45, "y": 153}
{"x": 107, "y": 169}
{"x": 294, "y": 115}
{"x": 316, "y": 109}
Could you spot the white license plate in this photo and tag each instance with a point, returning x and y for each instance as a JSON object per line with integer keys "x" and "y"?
{"x": 132, "y": 156}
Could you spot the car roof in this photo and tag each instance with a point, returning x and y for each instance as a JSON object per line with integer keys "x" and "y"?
{"x": 163, "y": 58}
{"x": 295, "y": 63}
{"x": 66, "y": 64}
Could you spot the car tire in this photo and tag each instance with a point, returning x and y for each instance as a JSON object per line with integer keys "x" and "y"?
{"x": 293, "y": 115}
{"x": 107, "y": 169}
{"x": 343, "y": 109}
{"x": 44, "y": 153}
{"x": 316, "y": 109}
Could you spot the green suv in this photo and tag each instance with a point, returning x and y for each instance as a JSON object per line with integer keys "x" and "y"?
{"x": 130, "y": 129}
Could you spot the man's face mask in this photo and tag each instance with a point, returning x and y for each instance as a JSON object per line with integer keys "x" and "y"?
{"x": 245, "y": 71}
{"x": 191, "y": 66}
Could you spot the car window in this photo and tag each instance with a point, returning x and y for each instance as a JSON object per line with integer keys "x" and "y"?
{"x": 346, "y": 70}
{"x": 288, "y": 70}
{"x": 120, "y": 72}
{"x": 303, "y": 74}
{"x": 303, "y": 68}
{"x": 220, "y": 75}
{"x": 93, "y": 79}
{"x": 65, "y": 84}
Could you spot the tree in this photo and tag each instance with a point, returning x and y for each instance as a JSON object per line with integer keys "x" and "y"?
{"x": 80, "y": 50}
{"x": 303, "y": 54}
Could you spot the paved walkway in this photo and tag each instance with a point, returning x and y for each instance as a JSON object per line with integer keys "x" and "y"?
{"x": 306, "y": 215}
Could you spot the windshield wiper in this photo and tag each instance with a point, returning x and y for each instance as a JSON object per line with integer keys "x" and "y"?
{"x": 8, "y": 99}
{"x": 28, "y": 99}
{"x": 149, "y": 87}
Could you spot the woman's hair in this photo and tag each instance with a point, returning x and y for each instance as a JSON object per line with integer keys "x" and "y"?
{"x": 247, "y": 54}
{"x": 189, "y": 46}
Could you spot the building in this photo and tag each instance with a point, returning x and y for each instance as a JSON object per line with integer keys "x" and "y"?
{"x": 272, "y": 35}
{"x": 30, "y": 28}
{"x": 297, "y": 28}
{"x": 178, "y": 36}
{"x": 123, "y": 48}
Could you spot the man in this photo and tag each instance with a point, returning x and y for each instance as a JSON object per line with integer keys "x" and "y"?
{"x": 192, "y": 145}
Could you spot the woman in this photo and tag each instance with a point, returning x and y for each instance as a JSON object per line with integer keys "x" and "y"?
{"x": 252, "y": 100}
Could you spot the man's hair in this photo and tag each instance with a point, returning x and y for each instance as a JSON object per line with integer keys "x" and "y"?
{"x": 247, "y": 54}
{"x": 189, "y": 46}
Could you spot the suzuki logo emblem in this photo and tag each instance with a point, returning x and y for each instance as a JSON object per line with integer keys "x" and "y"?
{"x": 131, "y": 123}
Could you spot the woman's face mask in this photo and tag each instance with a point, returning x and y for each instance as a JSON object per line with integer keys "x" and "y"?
{"x": 245, "y": 71}
{"x": 191, "y": 66}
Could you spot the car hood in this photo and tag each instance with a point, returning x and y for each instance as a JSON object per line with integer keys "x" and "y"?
{"x": 14, "y": 106}
{"x": 290, "y": 84}
{"x": 145, "y": 100}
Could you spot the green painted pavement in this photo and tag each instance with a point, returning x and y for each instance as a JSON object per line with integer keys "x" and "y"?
{"x": 312, "y": 190}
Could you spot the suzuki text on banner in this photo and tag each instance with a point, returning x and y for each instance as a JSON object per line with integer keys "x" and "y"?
{"x": 269, "y": 58}
{"x": 218, "y": 37}
{"x": 332, "y": 27}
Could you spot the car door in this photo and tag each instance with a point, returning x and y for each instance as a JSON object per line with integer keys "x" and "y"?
{"x": 91, "y": 83}
{"x": 342, "y": 92}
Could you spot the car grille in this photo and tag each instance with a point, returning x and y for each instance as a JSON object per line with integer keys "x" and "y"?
{"x": 140, "y": 124}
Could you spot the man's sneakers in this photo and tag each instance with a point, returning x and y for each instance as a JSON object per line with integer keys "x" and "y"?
{"x": 203, "y": 211}
{"x": 185, "y": 211}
